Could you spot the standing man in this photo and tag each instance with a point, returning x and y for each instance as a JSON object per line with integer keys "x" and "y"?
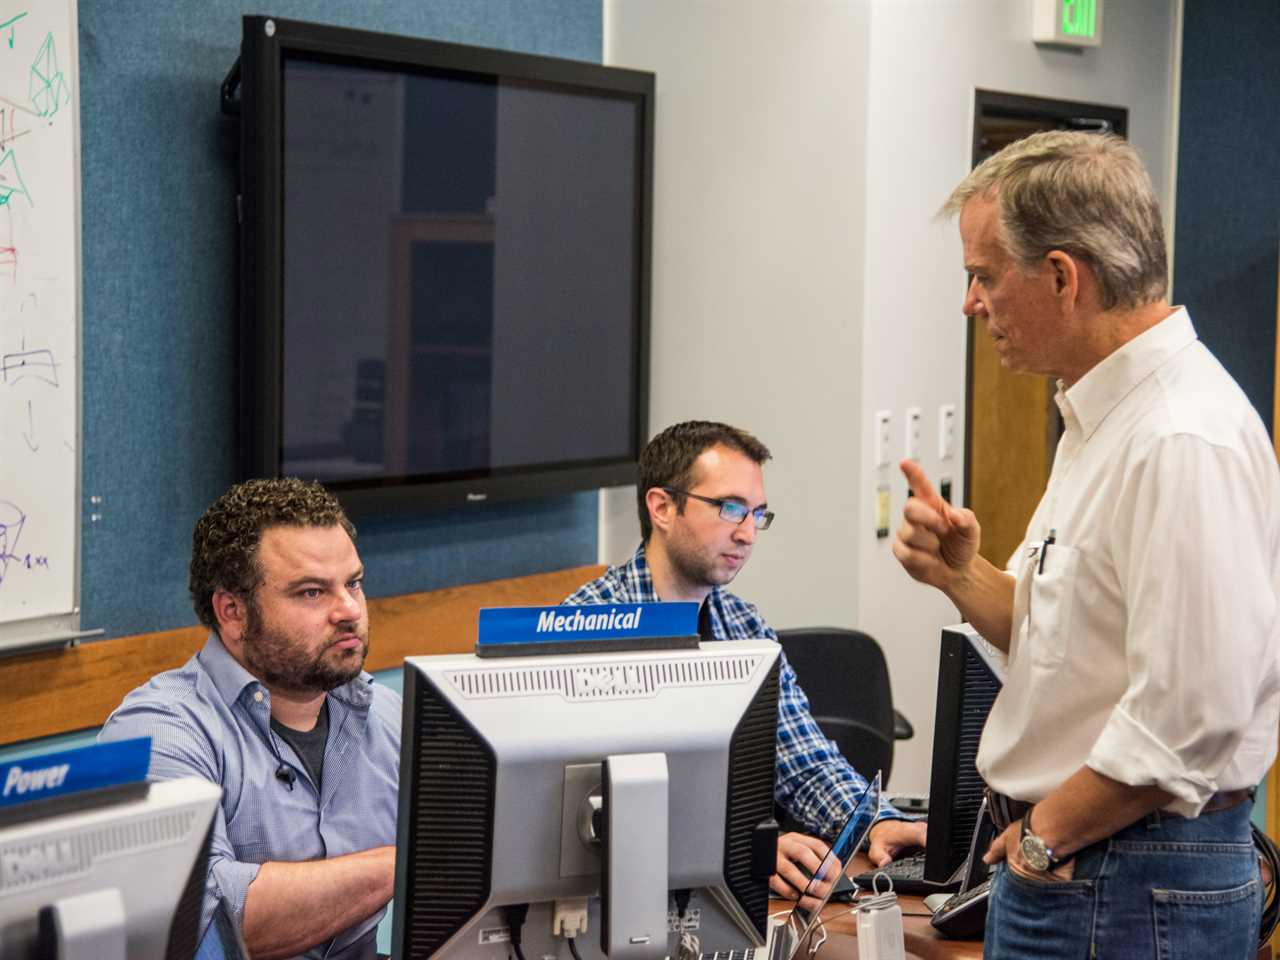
{"x": 1140, "y": 614}
{"x": 277, "y": 710}
{"x": 701, "y": 503}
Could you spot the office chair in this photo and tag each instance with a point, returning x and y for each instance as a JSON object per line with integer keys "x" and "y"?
{"x": 845, "y": 676}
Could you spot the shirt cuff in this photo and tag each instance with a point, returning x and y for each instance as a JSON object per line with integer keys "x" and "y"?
{"x": 230, "y": 882}
{"x": 1130, "y": 753}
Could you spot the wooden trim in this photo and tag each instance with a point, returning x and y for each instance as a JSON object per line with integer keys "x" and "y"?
{"x": 1275, "y": 377}
{"x": 1271, "y": 793}
{"x": 51, "y": 692}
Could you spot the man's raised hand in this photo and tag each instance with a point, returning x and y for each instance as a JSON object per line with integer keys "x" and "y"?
{"x": 936, "y": 541}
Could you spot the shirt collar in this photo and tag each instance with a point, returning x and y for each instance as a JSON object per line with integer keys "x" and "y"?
{"x": 231, "y": 679}
{"x": 1088, "y": 401}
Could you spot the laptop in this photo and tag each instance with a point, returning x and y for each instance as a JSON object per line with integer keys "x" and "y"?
{"x": 786, "y": 937}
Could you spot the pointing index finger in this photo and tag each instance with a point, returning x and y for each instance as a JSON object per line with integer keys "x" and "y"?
{"x": 918, "y": 481}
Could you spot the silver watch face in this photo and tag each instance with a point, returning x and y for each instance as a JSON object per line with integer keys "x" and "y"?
{"x": 1035, "y": 852}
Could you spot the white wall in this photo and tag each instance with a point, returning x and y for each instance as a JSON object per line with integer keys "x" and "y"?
{"x": 757, "y": 263}
{"x": 926, "y": 60}
{"x": 800, "y": 282}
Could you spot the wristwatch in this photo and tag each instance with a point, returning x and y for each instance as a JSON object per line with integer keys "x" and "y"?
{"x": 1034, "y": 851}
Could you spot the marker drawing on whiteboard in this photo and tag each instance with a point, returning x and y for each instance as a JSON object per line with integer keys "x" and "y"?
{"x": 9, "y": 131}
{"x": 29, "y": 434}
{"x": 38, "y": 364}
{"x": 11, "y": 183}
{"x": 12, "y": 520}
{"x": 48, "y": 88}
{"x": 8, "y": 25}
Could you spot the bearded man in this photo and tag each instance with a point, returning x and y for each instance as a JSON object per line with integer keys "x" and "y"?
{"x": 277, "y": 710}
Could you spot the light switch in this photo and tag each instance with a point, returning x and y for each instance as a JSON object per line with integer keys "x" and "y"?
{"x": 911, "y": 449}
{"x": 880, "y": 430}
{"x": 946, "y": 431}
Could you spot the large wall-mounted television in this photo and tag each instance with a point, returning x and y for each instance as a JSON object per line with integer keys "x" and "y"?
{"x": 444, "y": 266}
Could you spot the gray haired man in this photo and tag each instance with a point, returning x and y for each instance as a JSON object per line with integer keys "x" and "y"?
{"x": 1140, "y": 614}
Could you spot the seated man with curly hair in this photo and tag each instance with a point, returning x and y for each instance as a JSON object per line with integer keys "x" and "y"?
{"x": 277, "y": 710}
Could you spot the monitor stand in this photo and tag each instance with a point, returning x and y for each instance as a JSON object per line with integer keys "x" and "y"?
{"x": 89, "y": 926}
{"x": 634, "y": 854}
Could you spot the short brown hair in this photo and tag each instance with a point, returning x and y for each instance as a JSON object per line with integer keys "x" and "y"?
{"x": 667, "y": 460}
{"x": 1086, "y": 194}
{"x": 224, "y": 545}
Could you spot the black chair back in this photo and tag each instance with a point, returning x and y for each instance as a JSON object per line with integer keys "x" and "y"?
{"x": 846, "y": 678}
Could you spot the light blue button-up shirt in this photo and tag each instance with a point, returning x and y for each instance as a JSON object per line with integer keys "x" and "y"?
{"x": 211, "y": 719}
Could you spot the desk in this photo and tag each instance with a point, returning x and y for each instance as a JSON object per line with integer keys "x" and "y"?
{"x": 922, "y": 941}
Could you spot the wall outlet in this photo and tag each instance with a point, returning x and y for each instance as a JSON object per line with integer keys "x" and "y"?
{"x": 883, "y": 510}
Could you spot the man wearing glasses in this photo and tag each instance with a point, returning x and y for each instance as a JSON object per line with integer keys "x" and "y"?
{"x": 701, "y": 503}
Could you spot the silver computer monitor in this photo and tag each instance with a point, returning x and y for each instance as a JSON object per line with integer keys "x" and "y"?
{"x": 621, "y": 778}
{"x": 123, "y": 879}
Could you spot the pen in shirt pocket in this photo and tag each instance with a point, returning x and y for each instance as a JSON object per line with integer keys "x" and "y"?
{"x": 1044, "y": 547}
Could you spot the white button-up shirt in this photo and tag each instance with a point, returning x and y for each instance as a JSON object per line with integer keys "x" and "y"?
{"x": 1146, "y": 627}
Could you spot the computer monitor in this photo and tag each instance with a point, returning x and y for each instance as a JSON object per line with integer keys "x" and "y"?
{"x": 970, "y": 674}
{"x": 505, "y": 763}
{"x": 124, "y": 879}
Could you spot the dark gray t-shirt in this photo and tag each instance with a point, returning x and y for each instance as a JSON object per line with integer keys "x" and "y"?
{"x": 308, "y": 744}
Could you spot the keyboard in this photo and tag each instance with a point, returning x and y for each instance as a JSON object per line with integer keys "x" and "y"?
{"x": 907, "y": 875}
{"x": 964, "y": 915}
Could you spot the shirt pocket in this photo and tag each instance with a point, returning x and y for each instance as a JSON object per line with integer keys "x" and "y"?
{"x": 1051, "y": 604}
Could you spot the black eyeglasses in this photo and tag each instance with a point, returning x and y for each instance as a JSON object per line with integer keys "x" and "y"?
{"x": 731, "y": 510}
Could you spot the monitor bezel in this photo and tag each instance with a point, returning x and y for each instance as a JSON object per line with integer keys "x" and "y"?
{"x": 267, "y": 42}
{"x": 946, "y": 846}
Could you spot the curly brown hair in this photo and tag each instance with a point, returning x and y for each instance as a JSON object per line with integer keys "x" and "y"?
{"x": 224, "y": 545}
{"x": 667, "y": 460}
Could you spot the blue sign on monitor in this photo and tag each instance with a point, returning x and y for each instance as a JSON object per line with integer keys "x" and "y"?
{"x": 506, "y": 631}
{"x": 72, "y": 771}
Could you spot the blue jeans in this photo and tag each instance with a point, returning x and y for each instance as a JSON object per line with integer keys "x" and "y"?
{"x": 1165, "y": 887}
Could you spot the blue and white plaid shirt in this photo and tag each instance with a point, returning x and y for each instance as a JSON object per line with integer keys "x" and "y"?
{"x": 815, "y": 784}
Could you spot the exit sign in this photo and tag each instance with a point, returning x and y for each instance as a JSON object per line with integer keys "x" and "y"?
{"x": 1072, "y": 23}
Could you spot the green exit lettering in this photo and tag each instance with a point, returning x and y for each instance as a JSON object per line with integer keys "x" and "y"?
{"x": 1079, "y": 17}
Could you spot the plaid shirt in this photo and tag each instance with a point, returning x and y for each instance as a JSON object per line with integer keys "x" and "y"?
{"x": 815, "y": 784}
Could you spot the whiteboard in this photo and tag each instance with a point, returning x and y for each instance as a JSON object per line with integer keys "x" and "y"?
{"x": 39, "y": 320}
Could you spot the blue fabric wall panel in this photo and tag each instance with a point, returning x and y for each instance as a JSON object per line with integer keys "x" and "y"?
{"x": 1227, "y": 226}
{"x": 158, "y": 182}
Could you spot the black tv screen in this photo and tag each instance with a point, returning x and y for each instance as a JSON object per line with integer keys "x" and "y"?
{"x": 444, "y": 275}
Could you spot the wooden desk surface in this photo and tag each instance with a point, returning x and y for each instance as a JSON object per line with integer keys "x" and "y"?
{"x": 921, "y": 940}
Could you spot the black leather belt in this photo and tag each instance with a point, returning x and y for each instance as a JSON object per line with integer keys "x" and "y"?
{"x": 1226, "y": 799}
{"x": 1006, "y": 810}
